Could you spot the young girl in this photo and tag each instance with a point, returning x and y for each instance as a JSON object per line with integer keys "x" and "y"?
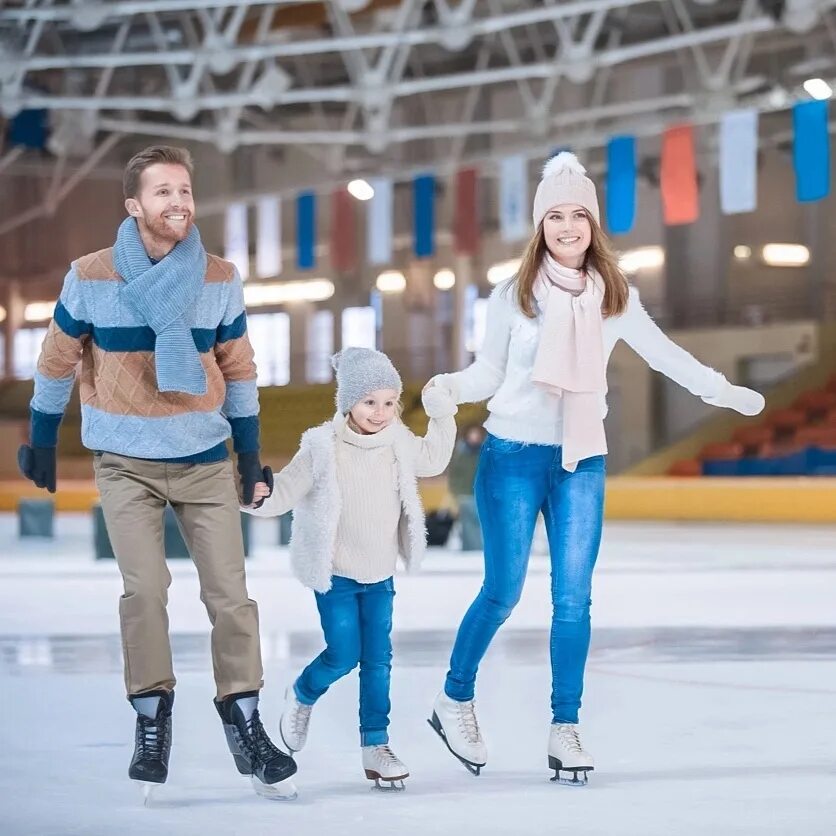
{"x": 353, "y": 489}
{"x": 549, "y": 334}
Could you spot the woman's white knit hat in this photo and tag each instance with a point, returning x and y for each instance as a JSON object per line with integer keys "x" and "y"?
{"x": 564, "y": 181}
{"x": 361, "y": 371}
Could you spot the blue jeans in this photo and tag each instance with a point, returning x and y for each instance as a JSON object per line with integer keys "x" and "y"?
{"x": 357, "y": 622}
{"x": 515, "y": 481}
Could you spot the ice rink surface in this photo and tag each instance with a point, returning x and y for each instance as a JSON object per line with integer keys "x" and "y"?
{"x": 708, "y": 705}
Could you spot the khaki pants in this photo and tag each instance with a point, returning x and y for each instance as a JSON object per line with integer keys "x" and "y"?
{"x": 134, "y": 493}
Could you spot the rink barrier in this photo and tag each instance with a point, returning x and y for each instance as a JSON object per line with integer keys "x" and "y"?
{"x": 778, "y": 499}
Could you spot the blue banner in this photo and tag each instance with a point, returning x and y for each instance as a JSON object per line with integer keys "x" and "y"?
{"x": 423, "y": 196}
{"x": 305, "y": 230}
{"x": 621, "y": 184}
{"x": 811, "y": 150}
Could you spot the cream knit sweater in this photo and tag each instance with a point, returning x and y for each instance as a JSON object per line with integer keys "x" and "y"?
{"x": 366, "y": 545}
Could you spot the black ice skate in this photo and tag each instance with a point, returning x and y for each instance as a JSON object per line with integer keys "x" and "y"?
{"x": 254, "y": 753}
{"x": 149, "y": 765}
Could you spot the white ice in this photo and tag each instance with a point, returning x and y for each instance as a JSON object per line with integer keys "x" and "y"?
{"x": 708, "y": 705}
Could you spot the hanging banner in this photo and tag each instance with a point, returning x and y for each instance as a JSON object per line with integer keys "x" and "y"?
{"x": 268, "y": 242}
{"x": 680, "y": 193}
{"x": 379, "y": 222}
{"x": 305, "y": 230}
{"x": 343, "y": 232}
{"x": 739, "y": 162}
{"x": 621, "y": 184}
{"x": 236, "y": 238}
{"x": 466, "y": 220}
{"x": 811, "y": 151}
{"x": 514, "y": 206}
{"x": 423, "y": 204}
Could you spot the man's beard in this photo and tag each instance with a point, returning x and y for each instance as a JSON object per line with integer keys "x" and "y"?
{"x": 162, "y": 231}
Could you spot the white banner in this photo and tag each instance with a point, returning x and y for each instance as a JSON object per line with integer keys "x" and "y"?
{"x": 268, "y": 242}
{"x": 236, "y": 238}
{"x": 379, "y": 222}
{"x": 514, "y": 207}
{"x": 739, "y": 161}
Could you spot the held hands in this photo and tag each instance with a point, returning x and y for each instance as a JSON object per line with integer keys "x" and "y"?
{"x": 739, "y": 398}
{"x": 438, "y": 401}
{"x": 252, "y": 476}
{"x": 38, "y": 464}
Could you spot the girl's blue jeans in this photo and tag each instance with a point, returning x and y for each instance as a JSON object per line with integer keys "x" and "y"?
{"x": 357, "y": 622}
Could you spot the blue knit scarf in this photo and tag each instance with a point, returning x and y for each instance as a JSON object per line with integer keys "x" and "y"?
{"x": 161, "y": 294}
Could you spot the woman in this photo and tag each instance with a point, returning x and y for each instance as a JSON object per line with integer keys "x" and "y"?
{"x": 550, "y": 331}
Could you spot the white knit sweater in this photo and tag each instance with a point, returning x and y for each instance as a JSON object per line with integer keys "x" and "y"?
{"x": 355, "y": 497}
{"x": 522, "y": 411}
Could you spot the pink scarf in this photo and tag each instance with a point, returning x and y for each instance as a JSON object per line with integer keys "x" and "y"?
{"x": 570, "y": 355}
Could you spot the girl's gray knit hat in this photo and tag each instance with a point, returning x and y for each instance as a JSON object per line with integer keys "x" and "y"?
{"x": 361, "y": 371}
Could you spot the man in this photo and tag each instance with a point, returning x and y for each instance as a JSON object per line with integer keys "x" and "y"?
{"x": 460, "y": 479}
{"x": 167, "y": 374}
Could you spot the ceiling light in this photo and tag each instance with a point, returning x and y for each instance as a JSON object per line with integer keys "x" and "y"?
{"x": 391, "y": 281}
{"x": 361, "y": 190}
{"x": 742, "y": 252}
{"x": 38, "y": 311}
{"x": 280, "y": 293}
{"x": 503, "y": 270}
{"x": 818, "y": 88}
{"x": 642, "y": 258}
{"x": 444, "y": 279}
{"x": 785, "y": 255}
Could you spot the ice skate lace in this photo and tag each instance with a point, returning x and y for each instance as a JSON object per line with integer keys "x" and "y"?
{"x": 301, "y": 716}
{"x": 386, "y": 756}
{"x": 260, "y": 746}
{"x": 468, "y": 723}
{"x": 568, "y": 735}
{"x": 151, "y": 737}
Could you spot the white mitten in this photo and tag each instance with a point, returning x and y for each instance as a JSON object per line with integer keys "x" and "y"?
{"x": 739, "y": 398}
{"x": 444, "y": 381}
{"x": 438, "y": 402}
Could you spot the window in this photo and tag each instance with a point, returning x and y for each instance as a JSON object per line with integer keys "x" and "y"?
{"x": 27, "y": 349}
{"x": 270, "y": 338}
{"x": 320, "y": 348}
{"x": 359, "y": 328}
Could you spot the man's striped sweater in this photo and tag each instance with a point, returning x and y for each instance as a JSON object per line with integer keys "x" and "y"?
{"x": 122, "y": 411}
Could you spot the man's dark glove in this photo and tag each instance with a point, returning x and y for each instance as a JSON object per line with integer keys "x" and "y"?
{"x": 251, "y": 471}
{"x": 38, "y": 464}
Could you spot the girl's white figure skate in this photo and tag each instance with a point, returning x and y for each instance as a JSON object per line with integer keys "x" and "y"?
{"x": 382, "y": 764}
{"x": 455, "y": 723}
{"x": 567, "y": 756}
{"x": 293, "y": 726}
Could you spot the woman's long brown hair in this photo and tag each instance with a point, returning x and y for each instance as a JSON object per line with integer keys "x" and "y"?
{"x": 600, "y": 256}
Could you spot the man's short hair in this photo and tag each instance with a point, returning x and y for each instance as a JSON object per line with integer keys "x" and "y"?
{"x": 152, "y": 155}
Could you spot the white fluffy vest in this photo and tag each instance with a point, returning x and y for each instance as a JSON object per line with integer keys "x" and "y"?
{"x": 316, "y": 516}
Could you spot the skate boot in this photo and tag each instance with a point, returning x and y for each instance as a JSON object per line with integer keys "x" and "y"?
{"x": 381, "y": 764}
{"x": 567, "y": 756}
{"x": 293, "y": 726}
{"x": 149, "y": 765}
{"x": 455, "y": 723}
{"x": 254, "y": 753}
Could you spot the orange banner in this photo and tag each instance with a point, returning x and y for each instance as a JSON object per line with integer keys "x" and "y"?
{"x": 680, "y": 193}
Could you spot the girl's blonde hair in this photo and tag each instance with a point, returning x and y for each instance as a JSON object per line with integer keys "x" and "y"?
{"x": 600, "y": 256}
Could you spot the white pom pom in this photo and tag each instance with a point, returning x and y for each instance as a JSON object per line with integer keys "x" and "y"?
{"x": 564, "y": 161}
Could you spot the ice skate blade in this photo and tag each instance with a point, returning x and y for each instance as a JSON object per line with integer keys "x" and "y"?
{"x": 569, "y": 777}
{"x": 395, "y": 784}
{"x": 472, "y": 768}
{"x": 282, "y": 791}
{"x": 148, "y": 788}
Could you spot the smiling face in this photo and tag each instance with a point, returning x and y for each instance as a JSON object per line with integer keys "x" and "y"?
{"x": 163, "y": 207}
{"x": 376, "y": 411}
{"x": 568, "y": 234}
